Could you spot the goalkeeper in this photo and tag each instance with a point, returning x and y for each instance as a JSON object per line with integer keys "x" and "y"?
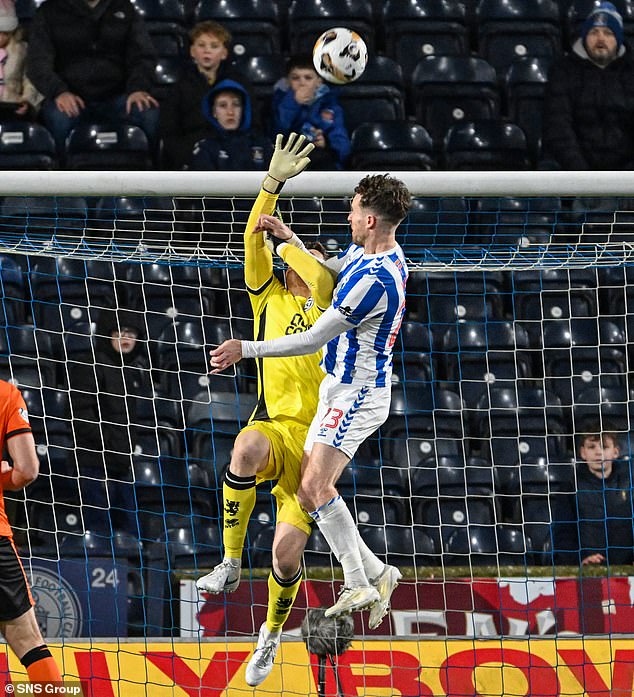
{"x": 271, "y": 445}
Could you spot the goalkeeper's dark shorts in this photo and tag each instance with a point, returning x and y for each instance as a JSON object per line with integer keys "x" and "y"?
{"x": 15, "y": 595}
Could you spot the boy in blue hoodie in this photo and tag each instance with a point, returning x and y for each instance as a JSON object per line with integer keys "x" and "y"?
{"x": 303, "y": 103}
{"x": 234, "y": 145}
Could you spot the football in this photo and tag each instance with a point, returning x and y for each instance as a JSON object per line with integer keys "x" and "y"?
{"x": 340, "y": 55}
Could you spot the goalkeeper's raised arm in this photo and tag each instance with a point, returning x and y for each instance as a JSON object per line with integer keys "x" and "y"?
{"x": 289, "y": 159}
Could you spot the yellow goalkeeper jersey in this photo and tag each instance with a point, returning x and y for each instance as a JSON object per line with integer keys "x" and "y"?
{"x": 287, "y": 387}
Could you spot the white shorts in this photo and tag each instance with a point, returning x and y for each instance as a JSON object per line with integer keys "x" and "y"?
{"x": 347, "y": 415}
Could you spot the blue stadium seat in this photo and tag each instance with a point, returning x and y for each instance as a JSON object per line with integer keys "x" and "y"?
{"x": 519, "y": 421}
{"x": 167, "y": 71}
{"x": 448, "y": 90}
{"x": 582, "y": 353}
{"x": 15, "y": 303}
{"x": 262, "y": 71}
{"x": 422, "y": 423}
{"x": 424, "y": 28}
{"x": 432, "y": 222}
{"x": 378, "y": 95}
{"x": 610, "y": 405}
{"x": 107, "y": 146}
{"x": 401, "y": 546}
{"x": 254, "y": 26}
{"x": 525, "y": 85}
{"x": 26, "y": 356}
{"x": 190, "y": 546}
{"x": 317, "y": 551}
{"x": 41, "y": 217}
{"x": 166, "y": 24}
{"x": 308, "y": 19}
{"x": 485, "y": 145}
{"x": 477, "y": 355}
{"x": 475, "y": 545}
{"x": 509, "y": 29}
{"x": 25, "y": 145}
{"x": 393, "y": 145}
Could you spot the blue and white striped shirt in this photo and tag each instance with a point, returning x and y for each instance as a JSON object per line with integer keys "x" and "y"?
{"x": 370, "y": 294}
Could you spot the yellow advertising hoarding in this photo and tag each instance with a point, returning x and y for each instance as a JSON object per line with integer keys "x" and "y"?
{"x": 536, "y": 668}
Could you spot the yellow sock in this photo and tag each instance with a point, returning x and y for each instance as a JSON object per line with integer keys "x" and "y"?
{"x": 282, "y": 594}
{"x": 238, "y": 500}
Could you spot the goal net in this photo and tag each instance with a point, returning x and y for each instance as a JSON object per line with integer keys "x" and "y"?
{"x": 500, "y": 483}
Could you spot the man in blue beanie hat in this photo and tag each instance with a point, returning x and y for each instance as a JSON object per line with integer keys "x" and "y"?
{"x": 589, "y": 102}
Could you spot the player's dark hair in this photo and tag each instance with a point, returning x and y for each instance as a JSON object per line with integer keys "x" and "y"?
{"x": 386, "y": 196}
{"x": 300, "y": 61}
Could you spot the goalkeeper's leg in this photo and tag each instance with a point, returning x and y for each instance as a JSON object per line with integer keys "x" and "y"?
{"x": 284, "y": 582}
{"x": 250, "y": 456}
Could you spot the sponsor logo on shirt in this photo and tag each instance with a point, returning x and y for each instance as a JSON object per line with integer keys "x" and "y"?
{"x": 345, "y": 310}
{"x": 24, "y": 414}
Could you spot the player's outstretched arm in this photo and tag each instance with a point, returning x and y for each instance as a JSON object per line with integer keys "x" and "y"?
{"x": 288, "y": 160}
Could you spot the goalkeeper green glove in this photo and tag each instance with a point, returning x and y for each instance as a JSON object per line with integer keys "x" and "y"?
{"x": 288, "y": 161}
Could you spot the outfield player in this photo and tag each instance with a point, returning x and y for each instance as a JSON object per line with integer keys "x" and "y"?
{"x": 270, "y": 446}
{"x": 17, "y": 618}
{"x": 359, "y": 328}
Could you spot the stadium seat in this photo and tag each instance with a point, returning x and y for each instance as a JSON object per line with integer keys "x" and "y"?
{"x": 485, "y": 145}
{"x": 525, "y": 85}
{"x": 401, "y": 546}
{"x": 432, "y": 222}
{"x": 183, "y": 359}
{"x": 447, "y": 90}
{"x": 421, "y": 28}
{"x": 166, "y": 73}
{"x": 519, "y": 421}
{"x": 447, "y": 498}
{"x": 447, "y": 297}
{"x": 475, "y": 545}
{"x": 25, "y": 145}
{"x": 510, "y": 221}
{"x": 378, "y": 95}
{"x": 581, "y": 353}
{"x": 262, "y": 71}
{"x": 509, "y": 29}
{"x": 563, "y": 293}
{"x": 15, "y": 305}
{"x": 107, "y": 146}
{"x": 190, "y": 547}
{"x": 422, "y": 422}
{"x": 26, "y": 356}
{"x": 165, "y": 22}
{"x": 42, "y": 217}
{"x": 610, "y": 405}
{"x": 477, "y": 355}
{"x": 255, "y": 28}
{"x": 392, "y": 145}
{"x": 317, "y": 551}
{"x": 308, "y": 19}
{"x": 412, "y": 360}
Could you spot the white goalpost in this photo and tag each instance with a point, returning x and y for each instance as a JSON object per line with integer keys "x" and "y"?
{"x": 516, "y": 342}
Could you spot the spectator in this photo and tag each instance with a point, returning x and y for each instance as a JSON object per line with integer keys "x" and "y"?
{"x": 106, "y": 393}
{"x": 183, "y": 120}
{"x": 18, "y": 98}
{"x": 589, "y": 103}
{"x": 603, "y": 503}
{"x": 302, "y": 103}
{"x": 92, "y": 60}
{"x": 234, "y": 145}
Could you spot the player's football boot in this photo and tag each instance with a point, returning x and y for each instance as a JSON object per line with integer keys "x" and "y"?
{"x": 385, "y": 583}
{"x": 261, "y": 663}
{"x": 353, "y": 599}
{"x": 224, "y": 578}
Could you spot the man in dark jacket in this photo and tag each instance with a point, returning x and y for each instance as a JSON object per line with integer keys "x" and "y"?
{"x": 107, "y": 391}
{"x": 233, "y": 145}
{"x": 92, "y": 60}
{"x": 589, "y": 104}
{"x": 183, "y": 121}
